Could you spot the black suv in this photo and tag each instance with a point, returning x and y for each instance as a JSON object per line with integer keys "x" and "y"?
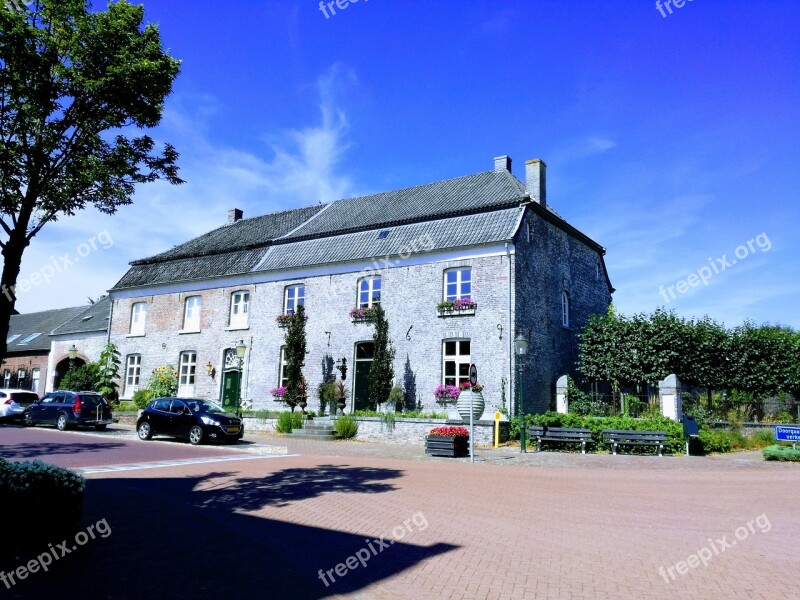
{"x": 69, "y": 409}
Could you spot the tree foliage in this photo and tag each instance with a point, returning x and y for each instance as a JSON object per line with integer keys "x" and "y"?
{"x": 108, "y": 374}
{"x": 295, "y": 342}
{"x": 83, "y": 378}
{"x": 381, "y": 372}
{"x": 77, "y": 90}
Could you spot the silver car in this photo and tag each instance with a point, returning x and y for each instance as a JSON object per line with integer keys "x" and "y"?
{"x": 13, "y": 402}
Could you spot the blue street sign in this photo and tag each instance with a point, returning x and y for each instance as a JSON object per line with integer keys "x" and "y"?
{"x": 787, "y": 434}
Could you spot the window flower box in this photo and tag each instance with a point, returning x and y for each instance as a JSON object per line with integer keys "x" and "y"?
{"x": 362, "y": 315}
{"x": 452, "y": 442}
{"x": 459, "y": 308}
{"x": 446, "y": 393}
{"x": 278, "y": 393}
{"x": 283, "y": 320}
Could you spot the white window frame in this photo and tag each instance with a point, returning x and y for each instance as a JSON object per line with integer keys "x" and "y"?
{"x": 460, "y": 281}
{"x": 11, "y": 338}
{"x": 192, "y": 310}
{"x": 133, "y": 373}
{"x": 240, "y": 309}
{"x": 187, "y": 372}
{"x": 282, "y": 380}
{"x": 7, "y": 378}
{"x": 296, "y": 294}
{"x": 138, "y": 318}
{"x": 460, "y": 359}
{"x": 367, "y": 285}
{"x": 565, "y": 309}
{"x": 36, "y": 374}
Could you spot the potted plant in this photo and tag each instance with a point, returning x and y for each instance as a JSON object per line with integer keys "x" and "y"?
{"x": 446, "y": 393}
{"x": 461, "y": 306}
{"x": 470, "y": 400}
{"x": 341, "y": 392}
{"x": 447, "y": 441}
{"x": 363, "y": 314}
{"x": 279, "y": 392}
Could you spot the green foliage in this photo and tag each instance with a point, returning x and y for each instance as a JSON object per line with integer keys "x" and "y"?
{"x": 396, "y": 397}
{"x": 126, "y": 407}
{"x": 287, "y": 421}
{"x": 163, "y": 382}
{"x": 389, "y": 419}
{"x": 411, "y": 414}
{"x": 381, "y": 372}
{"x": 295, "y": 341}
{"x": 38, "y": 487}
{"x": 76, "y": 79}
{"x": 782, "y": 453}
{"x": 761, "y": 438}
{"x": 83, "y": 378}
{"x": 109, "y": 364}
{"x": 142, "y": 398}
{"x": 346, "y": 427}
{"x": 717, "y": 440}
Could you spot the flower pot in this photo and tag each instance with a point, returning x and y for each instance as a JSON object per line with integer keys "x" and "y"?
{"x": 469, "y": 400}
{"x": 449, "y": 446}
{"x": 340, "y": 404}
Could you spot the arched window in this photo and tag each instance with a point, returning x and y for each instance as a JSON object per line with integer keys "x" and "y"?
{"x": 565, "y": 309}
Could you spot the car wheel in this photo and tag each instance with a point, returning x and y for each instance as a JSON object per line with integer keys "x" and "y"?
{"x": 61, "y": 423}
{"x": 144, "y": 431}
{"x": 195, "y": 435}
{"x": 100, "y": 427}
{"x": 27, "y": 419}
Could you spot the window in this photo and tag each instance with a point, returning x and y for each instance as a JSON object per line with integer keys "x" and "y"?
{"x": 294, "y": 297}
{"x": 138, "y": 316}
{"x": 597, "y": 272}
{"x": 35, "y": 376}
{"x": 456, "y": 362}
{"x": 369, "y": 292}
{"x": 7, "y": 378}
{"x": 458, "y": 284}
{"x": 30, "y": 338}
{"x": 162, "y": 405}
{"x": 11, "y": 338}
{"x": 186, "y": 373}
{"x": 133, "y": 370}
{"x": 283, "y": 380}
{"x": 565, "y": 309}
{"x": 191, "y": 315}
{"x": 240, "y": 305}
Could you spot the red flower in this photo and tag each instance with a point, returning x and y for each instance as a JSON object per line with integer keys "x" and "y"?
{"x": 449, "y": 431}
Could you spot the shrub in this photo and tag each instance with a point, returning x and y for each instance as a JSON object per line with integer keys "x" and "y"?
{"x": 396, "y": 397}
{"x": 83, "y": 378}
{"x": 346, "y": 427}
{"x": 37, "y": 487}
{"x": 288, "y": 421}
{"x": 782, "y": 453}
{"x": 716, "y": 440}
{"x": 762, "y": 438}
{"x": 126, "y": 407}
{"x": 142, "y": 398}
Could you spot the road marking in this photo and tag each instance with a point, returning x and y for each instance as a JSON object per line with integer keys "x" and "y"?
{"x": 173, "y": 463}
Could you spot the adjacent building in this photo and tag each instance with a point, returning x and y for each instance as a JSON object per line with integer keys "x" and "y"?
{"x": 460, "y": 266}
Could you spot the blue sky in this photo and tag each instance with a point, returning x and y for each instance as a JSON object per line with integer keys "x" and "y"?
{"x": 670, "y": 140}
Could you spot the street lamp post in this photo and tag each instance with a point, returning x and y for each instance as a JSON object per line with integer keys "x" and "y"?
{"x": 521, "y": 349}
{"x": 241, "y": 348}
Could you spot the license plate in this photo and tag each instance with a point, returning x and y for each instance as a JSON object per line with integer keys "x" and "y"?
{"x": 233, "y": 429}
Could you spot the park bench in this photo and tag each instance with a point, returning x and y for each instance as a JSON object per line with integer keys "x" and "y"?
{"x": 560, "y": 434}
{"x": 623, "y": 437}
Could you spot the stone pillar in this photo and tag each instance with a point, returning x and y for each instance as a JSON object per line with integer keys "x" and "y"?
{"x": 562, "y": 401}
{"x": 669, "y": 392}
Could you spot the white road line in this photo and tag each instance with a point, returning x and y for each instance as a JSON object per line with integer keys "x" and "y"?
{"x": 173, "y": 463}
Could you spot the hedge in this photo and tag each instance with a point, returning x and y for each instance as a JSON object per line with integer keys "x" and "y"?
{"x": 782, "y": 453}
{"x": 49, "y": 496}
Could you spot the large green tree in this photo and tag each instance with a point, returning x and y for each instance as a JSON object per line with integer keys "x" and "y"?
{"x": 77, "y": 91}
{"x": 295, "y": 341}
{"x": 381, "y": 372}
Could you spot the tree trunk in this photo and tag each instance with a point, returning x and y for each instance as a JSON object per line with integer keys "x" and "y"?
{"x": 12, "y": 260}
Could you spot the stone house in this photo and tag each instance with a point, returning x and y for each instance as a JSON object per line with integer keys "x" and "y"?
{"x": 460, "y": 267}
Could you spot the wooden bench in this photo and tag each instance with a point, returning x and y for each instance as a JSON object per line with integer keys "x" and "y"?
{"x": 626, "y": 437}
{"x": 560, "y": 434}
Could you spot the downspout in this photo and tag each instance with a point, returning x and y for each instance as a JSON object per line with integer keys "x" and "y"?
{"x": 512, "y": 386}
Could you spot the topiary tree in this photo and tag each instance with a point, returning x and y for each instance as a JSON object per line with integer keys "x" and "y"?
{"x": 381, "y": 372}
{"x": 295, "y": 354}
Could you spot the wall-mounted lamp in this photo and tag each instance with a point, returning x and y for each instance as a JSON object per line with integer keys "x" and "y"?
{"x": 210, "y": 370}
{"x": 241, "y": 348}
{"x": 72, "y": 352}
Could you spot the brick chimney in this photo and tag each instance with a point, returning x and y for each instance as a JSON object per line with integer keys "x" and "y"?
{"x": 536, "y": 180}
{"x": 234, "y": 215}
{"x": 502, "y": 163}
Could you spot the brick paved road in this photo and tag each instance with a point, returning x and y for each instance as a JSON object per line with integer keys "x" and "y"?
{"x": 550, "y": 525}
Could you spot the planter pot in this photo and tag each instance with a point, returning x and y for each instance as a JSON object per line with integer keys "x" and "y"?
{"x": 469, "y": 398}
{"x": 340, "y": 404}
{"x": 452, "y": 447}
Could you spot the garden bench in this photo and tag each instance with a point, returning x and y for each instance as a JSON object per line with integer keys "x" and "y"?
{"x": 560, "y": 434}
{"x": 627, "y": 437}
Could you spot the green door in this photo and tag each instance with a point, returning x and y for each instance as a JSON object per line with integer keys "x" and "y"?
{"x": 364, "y": 354}
{"x": 230, "y": 390}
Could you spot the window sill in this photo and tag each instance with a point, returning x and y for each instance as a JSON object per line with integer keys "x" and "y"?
{"x": 456, "y": 312}
{"x": 237, "y": 328}
{"x": 363, "y": 319}
{"x": 188, "y": 331}
{"x": 135, "y": 335}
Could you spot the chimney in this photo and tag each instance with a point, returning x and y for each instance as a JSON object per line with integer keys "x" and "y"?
{"x": 536, "y": 180}
{"x": 502, "y": 163}
{"x": 234, "y": 215}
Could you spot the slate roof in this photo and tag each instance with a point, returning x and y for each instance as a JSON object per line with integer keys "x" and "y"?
{"x": 42, "y": 323}
{"x": 93, "y": 319}
{"x": 476, "y": 209}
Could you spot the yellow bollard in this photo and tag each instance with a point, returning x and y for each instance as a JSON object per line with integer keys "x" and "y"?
{"x": 497, "y": 430}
